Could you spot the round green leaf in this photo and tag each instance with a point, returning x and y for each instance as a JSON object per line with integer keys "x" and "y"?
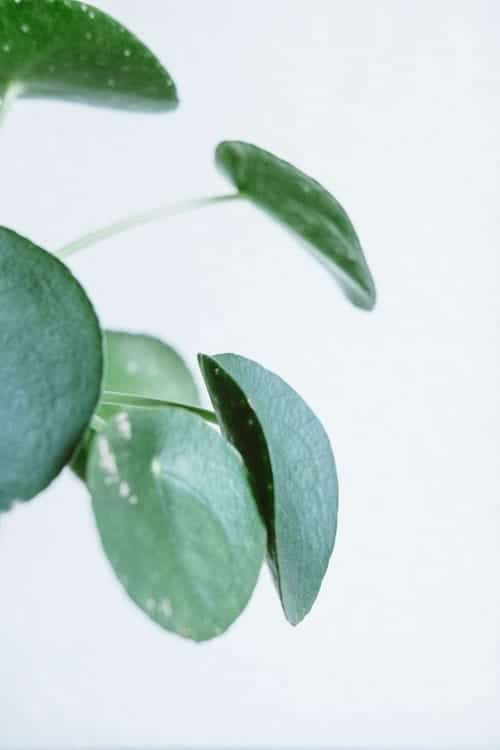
{"x": 177, "y": 518}
{"x": 145, "y": 366}
{"x": 306, "y": 208}
{"x": 70, "y": 50}
{"x": 50, "y": 367}
{"x": 136, "y": 364}
{"x": 290, "y": 461}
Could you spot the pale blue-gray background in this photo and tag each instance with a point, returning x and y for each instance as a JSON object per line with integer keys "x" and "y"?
{"x": 394, "y": 106}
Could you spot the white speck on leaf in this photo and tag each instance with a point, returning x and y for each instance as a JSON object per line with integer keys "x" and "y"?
{"x": 155, "y": 467}
{"x": 107, "y": 458}
{"x": 165, "y": 608}
{"x": 123, "y": 425}
{"x": 133, "y": 499}
{"x": 124, "y": 489}
{"x": 150, "y": 604}
{"x": 132, "y": 367}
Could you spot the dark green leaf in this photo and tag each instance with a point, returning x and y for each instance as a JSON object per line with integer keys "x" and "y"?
{"x": 70, "y": 50}
{"x": 79, "y": 460}
{"x": 290, "y": 461}
{"x": 177, "y": 518}
{"x": 50, "y": 367}
{"x": 305, "y": 207}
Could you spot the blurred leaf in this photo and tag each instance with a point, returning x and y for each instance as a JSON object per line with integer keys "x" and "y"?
{"x": 145, "y": 366}
{"x": 290, "y": 461}
{"x": 306, "y": 208}
{"x": 50, "y": 367}
{"x": 177, "y": 518}
{"x": 69, "y": 50}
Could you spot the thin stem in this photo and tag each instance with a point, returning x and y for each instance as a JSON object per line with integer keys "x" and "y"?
{"x": 140, "y": 219}
{"x": 116, "y": 398}
{"x": 97, "y": 423}
{"x": 4, "y": 108}
{"x": 11, "y": 92}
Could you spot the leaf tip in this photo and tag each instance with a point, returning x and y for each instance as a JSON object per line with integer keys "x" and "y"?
{"x": 205, "y": 361}
{"x": 365, "y": 300}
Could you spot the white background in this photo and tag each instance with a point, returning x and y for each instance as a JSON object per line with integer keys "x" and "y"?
{"x": 393, "y": 105}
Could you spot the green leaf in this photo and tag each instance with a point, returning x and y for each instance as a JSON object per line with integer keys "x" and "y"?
{"x": 70, "y": 50}
{"x": 145, "y": 366}
{"x": 142, "y": 366}
{"x": 79, "y": 461}
{"x": 50, "y": 367}
{"x": 290, "y": 460}
{"x": 177, "y": 519}
{"x": 306, "y": 208}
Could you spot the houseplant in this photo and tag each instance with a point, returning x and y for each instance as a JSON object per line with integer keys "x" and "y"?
{"x": 184, "y": 517}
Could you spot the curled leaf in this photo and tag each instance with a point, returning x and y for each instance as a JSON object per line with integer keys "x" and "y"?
{"x": 305, "y": 207}
{"x": 292, "y": 468}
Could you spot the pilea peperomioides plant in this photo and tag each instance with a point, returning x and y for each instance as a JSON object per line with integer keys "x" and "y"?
{"x": 188, "y": 502}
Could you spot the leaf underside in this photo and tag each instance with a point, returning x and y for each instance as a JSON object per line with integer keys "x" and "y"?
{"x": 305, "y": 207}
{"x": 70, "y": 50}
{"x": 291, "y": 465}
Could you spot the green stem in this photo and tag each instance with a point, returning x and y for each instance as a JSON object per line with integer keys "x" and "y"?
{"x": 11, "y": 92}
{"x": 4, "y": 107}
{"x": 116, "y": 398}
{"x": 140, "y": 219}
{"x": 97, "y": 423}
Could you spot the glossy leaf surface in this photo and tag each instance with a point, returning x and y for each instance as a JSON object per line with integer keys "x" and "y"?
{"x": 50, "y": 367}
{"x": 177, "y": 518}
{"x": 305, "y": 207}
{"x": 70, "y": 50}
{"x": 291, "y": 464}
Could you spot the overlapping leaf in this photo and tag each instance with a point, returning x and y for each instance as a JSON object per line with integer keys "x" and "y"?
{"x": 145, "y": 366}
{"x": 50, "y": 367}
{"x": 291, "y": 465}
{"x": 177, "y": 518}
